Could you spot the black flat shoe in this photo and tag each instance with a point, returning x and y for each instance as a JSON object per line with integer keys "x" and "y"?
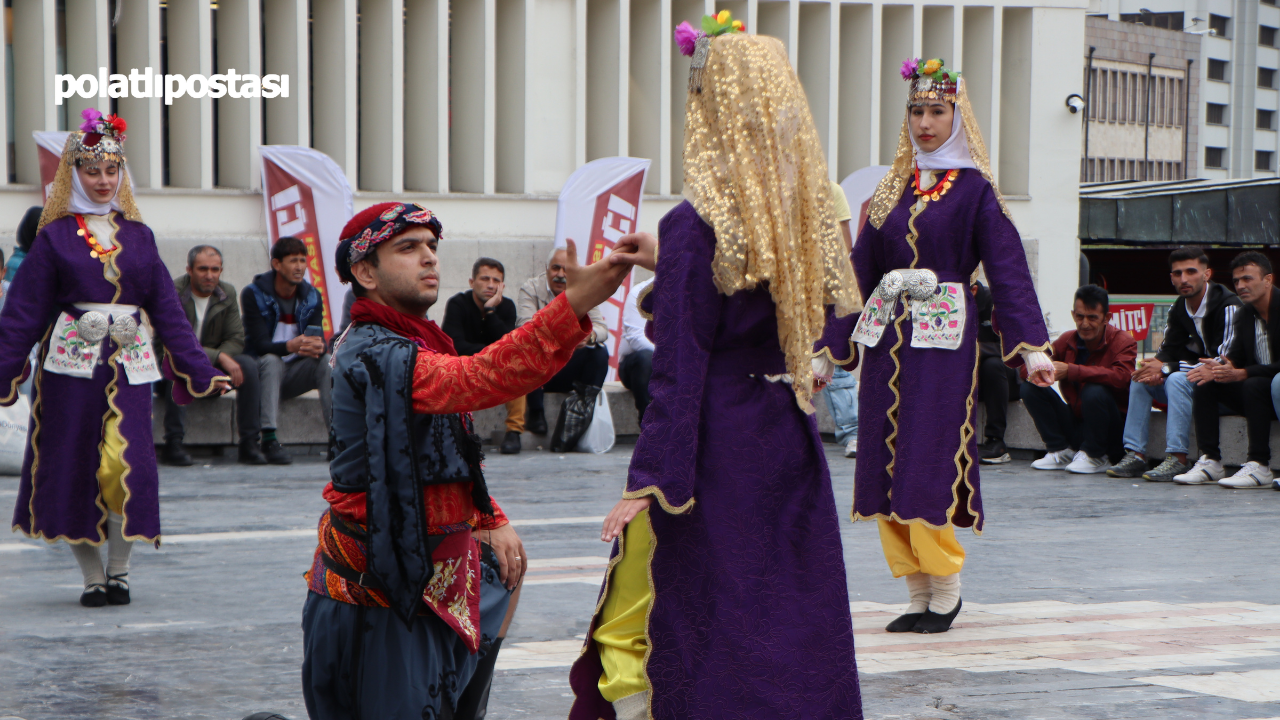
{"x": 117, "y": 589}
{"x": 933, "y": 623}
{"x": 510, "y": 443}
{"x": 94, "y": 596}
{"x": 904, "y": 623}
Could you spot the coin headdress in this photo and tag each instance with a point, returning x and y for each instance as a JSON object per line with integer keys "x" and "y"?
{"x": 98, "y": 138}
{"x": 930, "y": 81}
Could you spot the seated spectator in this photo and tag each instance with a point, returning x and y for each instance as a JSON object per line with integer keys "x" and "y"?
{"x": 590, "y": 362}
{"x": 282, "y": 325}
{"x": 26, "y": 236}
{"x": 479, "y": 317}
{"x": 996, "y": 381}
{"x": 1245, "y": 381}
{"x": 214, "y": 314}
{"x": 842, "y": 392}
{"x": 1092, "y": 365}
{"x": 635, "y": 352}
{"x": 1199, "y": 323}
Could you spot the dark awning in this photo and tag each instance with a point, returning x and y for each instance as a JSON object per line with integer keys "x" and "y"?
{"x": 1201, "y": 212}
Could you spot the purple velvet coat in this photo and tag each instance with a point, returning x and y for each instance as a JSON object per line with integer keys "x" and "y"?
{"x": 750, "y": 614}
{"x": 59, "y": 496}
{"x": 934, "y": 456}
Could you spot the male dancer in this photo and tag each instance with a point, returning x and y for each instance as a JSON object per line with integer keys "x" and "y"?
{"x": 404, "y": 601}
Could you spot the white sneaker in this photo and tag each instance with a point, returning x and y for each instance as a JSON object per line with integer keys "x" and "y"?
{"x": 1054, "y": 460}
{"x": 1205, "y": 472}
{"x": 851, "y": 448}
{"x": 1082, "y": 464}
{"x": 1250, "y": 475}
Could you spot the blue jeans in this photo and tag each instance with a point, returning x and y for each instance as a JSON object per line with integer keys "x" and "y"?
{"x": 1176, "y": 392}
{"x": 842, "y": 401}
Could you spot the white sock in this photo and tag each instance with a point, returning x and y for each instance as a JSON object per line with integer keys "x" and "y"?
{"x": 89, "y": 558}
{"x": 946, "y": 593}
{"x": 632, "y": 707}
{"x": 118, "y": 548}
{"x": 920, "y": 590}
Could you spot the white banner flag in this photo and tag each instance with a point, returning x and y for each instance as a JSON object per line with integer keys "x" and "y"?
{"x": 49, "y": 147}
{"x": 307, "y": 196}
{"x": 599, "y": 203}
{"x": 858, "y": 189}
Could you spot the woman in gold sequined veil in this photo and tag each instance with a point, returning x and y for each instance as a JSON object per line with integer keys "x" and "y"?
{"x": 726, "y": 594}
{"x": 933, "y": 219}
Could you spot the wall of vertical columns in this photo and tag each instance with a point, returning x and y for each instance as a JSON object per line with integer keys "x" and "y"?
{"x": 239, "y": 24}
{"x": 286, "y": 52}
{"x": 381, "y": 95}
{"x": 190, "y": 48}
{"x": 34, "y": 62}
{"x": 334, "y": 99}
{"x": 484, "y": 103}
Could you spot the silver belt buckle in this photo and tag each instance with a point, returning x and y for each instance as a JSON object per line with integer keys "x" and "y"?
{"x": 91, "y": 327}
{"x": 124, "y": 330}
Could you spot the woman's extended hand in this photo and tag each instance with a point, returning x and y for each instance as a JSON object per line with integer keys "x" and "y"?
{"x": 621, "y": 514}
{"x": 639, "y": 248}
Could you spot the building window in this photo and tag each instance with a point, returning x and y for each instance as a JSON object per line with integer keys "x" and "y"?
{"x": 1215, "y": 114}
{"x": 1262, "y": 160}
{"x": 1266, "y": 77}
{"x": 1166, "y": 20}
{"x": 1111, "y": 169}
{"x": 1218, "y": 70}
{"x": 1266, "y": 36}
{"x": 1272, "y": 3}
{"x": 1266, "y": 120}
{"x": 1215, "y": 157}
{"x": 1218, "y": 25}
{"x": 1133, "y": 169}
{"x": 1177, "y": 171}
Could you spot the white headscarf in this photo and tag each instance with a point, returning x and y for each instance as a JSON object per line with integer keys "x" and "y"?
{"x": 81, "y": 204}
{"x": 954, "y": 153}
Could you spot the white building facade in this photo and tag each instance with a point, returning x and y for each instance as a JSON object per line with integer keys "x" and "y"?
{"x": 481, "y": 109}
{"x": 1239, "y": 74}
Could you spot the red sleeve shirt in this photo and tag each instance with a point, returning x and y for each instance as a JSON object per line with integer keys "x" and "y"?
{"x": 522, "y": 361}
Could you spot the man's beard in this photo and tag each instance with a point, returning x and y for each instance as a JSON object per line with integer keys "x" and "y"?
{"x": 409, "y": 296}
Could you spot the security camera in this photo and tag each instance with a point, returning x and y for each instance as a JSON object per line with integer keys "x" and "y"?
{"x": 1075, "y": 103}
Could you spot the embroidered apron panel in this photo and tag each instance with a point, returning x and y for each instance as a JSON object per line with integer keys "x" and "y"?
{"x": 68, "y": 353}
{"x": 939, "y": 321}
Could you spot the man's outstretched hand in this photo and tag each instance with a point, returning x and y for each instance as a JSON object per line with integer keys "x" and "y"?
{"x": 591, "y": 285}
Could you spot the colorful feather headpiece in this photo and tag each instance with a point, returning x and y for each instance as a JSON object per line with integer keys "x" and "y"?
{"x": 99, "y": 138}
{"x": 697, "y": 43}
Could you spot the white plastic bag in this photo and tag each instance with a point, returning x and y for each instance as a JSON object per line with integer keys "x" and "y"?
{"x": 599, "y": 437}
{"x": 13, "y": 435}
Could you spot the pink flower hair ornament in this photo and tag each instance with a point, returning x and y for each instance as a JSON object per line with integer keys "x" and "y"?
{"x": 721, "y": 23}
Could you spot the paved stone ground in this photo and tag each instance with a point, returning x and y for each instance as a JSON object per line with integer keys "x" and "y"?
{"x": 1086, "y": 598}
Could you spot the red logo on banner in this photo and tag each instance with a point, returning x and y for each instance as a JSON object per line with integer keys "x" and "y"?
{"x": 616, "y": 212}
{"x": 293, "y": 213}
{"x": 48, "y": 170}
{"x": 1134, "y": 318}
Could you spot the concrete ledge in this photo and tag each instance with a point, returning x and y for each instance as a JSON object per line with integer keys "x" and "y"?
{"x": 1021, "y": 434}
{"x": 212, "y": 422}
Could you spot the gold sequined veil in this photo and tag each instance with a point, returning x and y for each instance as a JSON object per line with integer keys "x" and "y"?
{"x": 889, "y": 191}
{"x": 60, "y": 194}
{"x": 754, "y": 169}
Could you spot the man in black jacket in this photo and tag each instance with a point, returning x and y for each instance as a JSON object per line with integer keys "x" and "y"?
{"x": 996, "y": 380}
{"x": 479, "y": 317}
{"x": 1244, "y": 381}
{"x": 283, "y": 315}
{"x": 1200, "y": 323}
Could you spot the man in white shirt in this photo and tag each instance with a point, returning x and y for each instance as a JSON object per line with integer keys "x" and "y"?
{"x": 635, "y": 352}
{"x": 590, "y": 362}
